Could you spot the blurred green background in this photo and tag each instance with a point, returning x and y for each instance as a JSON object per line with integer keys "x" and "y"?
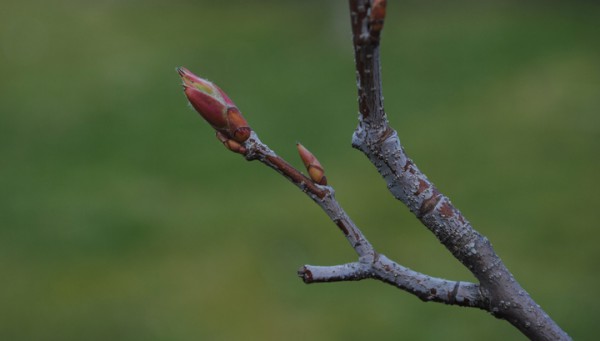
{"x": 123, "y": 218}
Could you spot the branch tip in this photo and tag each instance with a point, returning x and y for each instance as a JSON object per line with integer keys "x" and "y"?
{"x": 305, "y": 274}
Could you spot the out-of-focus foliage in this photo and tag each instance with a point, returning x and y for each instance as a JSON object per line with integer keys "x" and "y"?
{"x": 123, "y": 218}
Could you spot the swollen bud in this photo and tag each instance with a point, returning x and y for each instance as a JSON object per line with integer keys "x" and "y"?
{"x": 214, "y": 106}
{"x": 313, "y": 166}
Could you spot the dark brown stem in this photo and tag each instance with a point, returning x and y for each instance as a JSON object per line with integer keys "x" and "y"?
{"x": 256, "y": 150}
{"x": 504, "y": 297}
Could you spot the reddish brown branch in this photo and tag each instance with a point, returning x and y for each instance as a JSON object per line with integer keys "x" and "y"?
{"x": 366, "y": 30}
{"x": 324, "y": 196}
{"x": 295, "y": 176}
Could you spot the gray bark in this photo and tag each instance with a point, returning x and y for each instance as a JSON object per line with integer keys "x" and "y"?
{"x": 497, "y": 291}
{"x": 503, "y": 296}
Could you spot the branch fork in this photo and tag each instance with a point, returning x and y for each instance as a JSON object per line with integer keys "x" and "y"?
{"x": 497, "y": 291}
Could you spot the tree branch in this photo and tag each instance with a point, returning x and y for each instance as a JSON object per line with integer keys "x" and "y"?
{"x": 505, "y": 298}
{"x": 371, "y": 264}
{"x": 336, "y": 273}
{"x": 425, "y": 287}
{"x": 497, "y": 291}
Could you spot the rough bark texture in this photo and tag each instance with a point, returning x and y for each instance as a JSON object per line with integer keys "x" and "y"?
{"x": 371, "y": 264}
{"x": 497, "y": 291}
{"x": 503, "y": 296}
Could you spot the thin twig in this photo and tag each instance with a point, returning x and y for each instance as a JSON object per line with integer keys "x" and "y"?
{"x": 371, "y": 264}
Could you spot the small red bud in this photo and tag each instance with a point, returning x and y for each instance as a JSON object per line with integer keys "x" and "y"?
{"x": 313, "y": 166}
{"x": 214, "y": 106}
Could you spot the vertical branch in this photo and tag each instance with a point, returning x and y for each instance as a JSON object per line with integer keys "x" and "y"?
{"x": 505, "y": 298}
{"x": 368, "y": 69}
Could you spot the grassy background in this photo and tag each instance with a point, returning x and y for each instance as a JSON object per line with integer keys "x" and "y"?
{"x": 122, "y": 217}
